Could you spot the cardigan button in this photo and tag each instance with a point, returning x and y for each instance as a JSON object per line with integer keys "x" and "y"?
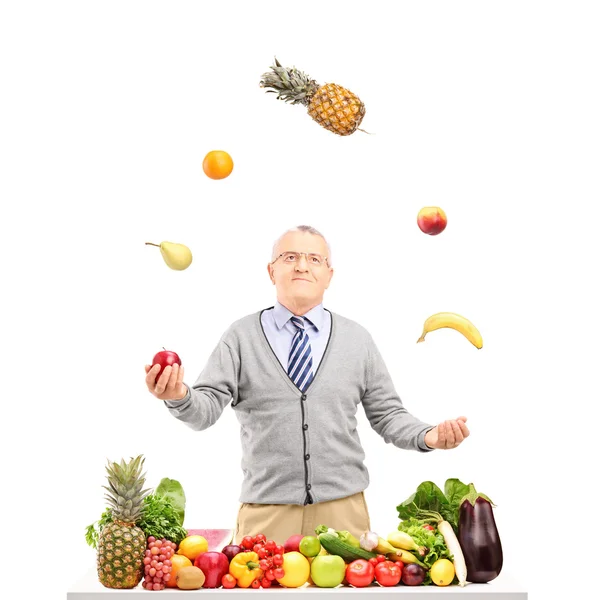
{"x": 308, "y": 486}
{"x": 305, "y": 426}
{"x": 306, "y": 456}
{"x": 303, "y": 396}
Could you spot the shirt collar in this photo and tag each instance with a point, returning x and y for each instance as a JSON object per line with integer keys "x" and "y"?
{"x": 315, "y": 315}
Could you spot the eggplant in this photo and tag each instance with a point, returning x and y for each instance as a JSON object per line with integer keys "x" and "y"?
{"x": 478, "y": 537}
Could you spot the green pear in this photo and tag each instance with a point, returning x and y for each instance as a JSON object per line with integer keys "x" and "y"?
{"x": 176, "y": 256}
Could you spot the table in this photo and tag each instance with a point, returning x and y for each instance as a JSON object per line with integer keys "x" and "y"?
{"x": 502, "y": 588}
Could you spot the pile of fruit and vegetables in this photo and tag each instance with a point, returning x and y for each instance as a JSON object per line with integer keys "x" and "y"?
{"x": 444, "y": 538}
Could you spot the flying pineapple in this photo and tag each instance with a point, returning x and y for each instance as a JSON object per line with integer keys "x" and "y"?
{"x": 121, "y": 545}
{"x": 330, "y": 105}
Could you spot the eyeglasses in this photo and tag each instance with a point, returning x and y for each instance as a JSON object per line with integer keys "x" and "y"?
{"x": 291, "y": 258}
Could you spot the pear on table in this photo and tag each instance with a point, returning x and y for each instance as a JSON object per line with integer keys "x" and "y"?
{"x": 176, "y": 256}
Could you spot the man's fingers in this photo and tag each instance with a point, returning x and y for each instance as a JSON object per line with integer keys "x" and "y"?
{"x": 180, "y": 376}
{"x": 458, "y": 435}
{"x": 151, "y": 376}
{"x": 463, "y": 428}
{"x": 463, "y": 419}
{"x": 450, "y": 441}
{"x": 173, "y": 378}
{"x": 161, "y": 384}
{"x": 441, "y": 435}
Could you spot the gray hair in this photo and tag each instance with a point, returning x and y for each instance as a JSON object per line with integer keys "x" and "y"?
{"x": 307, "y": 229}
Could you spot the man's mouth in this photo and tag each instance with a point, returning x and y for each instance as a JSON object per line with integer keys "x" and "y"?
{"x": 300, "y": 279}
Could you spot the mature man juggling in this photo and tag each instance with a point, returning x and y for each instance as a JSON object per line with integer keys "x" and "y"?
{"x": 295, "y": 374}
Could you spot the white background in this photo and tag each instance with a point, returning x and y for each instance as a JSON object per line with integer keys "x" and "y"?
{"x": 487, "y": 109}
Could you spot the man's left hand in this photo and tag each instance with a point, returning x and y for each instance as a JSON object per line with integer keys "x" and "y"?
{"x": 447, "y": 435}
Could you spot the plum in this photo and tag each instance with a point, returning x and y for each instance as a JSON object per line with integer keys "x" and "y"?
{"x": 413, "y": 574}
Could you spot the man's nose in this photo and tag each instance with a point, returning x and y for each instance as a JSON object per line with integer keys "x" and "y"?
{"x": 302, "y": 264}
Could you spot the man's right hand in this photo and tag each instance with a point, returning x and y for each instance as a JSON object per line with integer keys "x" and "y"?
{"x": 169, "y": 386}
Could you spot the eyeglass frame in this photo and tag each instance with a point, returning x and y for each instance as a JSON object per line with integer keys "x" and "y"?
{"x": 307, "y": 254}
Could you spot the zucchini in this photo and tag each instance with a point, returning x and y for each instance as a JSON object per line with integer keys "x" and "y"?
{"x": 332, "y": 543}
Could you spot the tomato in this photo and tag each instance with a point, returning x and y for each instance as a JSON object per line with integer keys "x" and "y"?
{"x": 360, "y": 573}
{"x": 430, "y": 527}
{"x": 277, "y": 560}
{"x": 266, "y": 583}
{"x": 247, "y": 542}
{"x": 381, "y": 558}
{"x": 279, "y": 549}
{"x": 374, "y": 561}
{"x": 261, "y": 538}
{"x": 270, "y": 546}
{"x": 387, "y": 573}
{"x": 399, "y": 564}
{"x": 255, "y": 584}
{"x": 228, "y": 581}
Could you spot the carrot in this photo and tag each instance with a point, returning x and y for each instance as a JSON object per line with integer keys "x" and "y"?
{"x": 460, "y": 566}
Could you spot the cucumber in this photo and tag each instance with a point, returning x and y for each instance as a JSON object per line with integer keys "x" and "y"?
{"x": 334, "y": 545}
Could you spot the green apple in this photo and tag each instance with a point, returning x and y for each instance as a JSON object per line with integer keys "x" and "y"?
{"x": 327, "y": 570}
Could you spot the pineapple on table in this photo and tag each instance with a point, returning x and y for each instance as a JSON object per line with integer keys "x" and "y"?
{"x": 330, "y": 105}
{"x": 121, "y": 544}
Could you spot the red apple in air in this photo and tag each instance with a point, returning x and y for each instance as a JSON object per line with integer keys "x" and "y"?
{"x": 165, "y": 358}
{"x": 292, "y": 544}
{"x": 432, "y": 220}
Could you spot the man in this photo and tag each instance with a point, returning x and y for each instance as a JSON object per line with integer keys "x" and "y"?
{"x": 295, "y": 374}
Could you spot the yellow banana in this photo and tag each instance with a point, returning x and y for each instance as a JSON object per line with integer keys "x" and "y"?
{"x": 454, "y": 321}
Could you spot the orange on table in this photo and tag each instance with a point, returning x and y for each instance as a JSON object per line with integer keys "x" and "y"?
{"x": 177, "y": 561}
{"x": 217, "y": 164}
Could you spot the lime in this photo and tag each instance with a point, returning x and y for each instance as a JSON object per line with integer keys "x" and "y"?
{"x": 310, "y": 545}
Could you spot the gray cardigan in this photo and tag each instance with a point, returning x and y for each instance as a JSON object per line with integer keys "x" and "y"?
{"x": 300, "y": 448}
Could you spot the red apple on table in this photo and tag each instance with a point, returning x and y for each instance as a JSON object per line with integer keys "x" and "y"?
{"x": 292, "y": 544}
{"x": 214, "y": 565}
{"x": 432, "y": 220}
{"x": 165, "y": 358}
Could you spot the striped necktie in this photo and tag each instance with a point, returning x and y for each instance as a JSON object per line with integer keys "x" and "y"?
{"x": 300, "y": 360}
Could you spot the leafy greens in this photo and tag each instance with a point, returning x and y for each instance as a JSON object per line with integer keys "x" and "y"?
{"x": 430, "y": 497}
{"x": 163, "y": 515}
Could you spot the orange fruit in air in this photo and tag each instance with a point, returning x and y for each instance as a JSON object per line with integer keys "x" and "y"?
{"x": 217, "y": 164}
{"x": 177, "y": 561}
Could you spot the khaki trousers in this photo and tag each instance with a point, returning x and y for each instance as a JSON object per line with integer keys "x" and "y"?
{"x": 280, "y": 521}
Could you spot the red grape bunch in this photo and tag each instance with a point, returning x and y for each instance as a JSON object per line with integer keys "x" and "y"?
{"x": 271, "y": 558}
{"x": 157, "y": 563}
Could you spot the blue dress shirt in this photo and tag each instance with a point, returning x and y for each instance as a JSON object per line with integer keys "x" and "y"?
{"x": 280, "y": 331}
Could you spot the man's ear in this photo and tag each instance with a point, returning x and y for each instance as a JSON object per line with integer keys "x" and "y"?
{"x": 270, "y": 270}
{"x": 330, "y": 276}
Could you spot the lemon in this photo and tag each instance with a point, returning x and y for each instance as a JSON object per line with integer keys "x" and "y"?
{"x": 296, "y": 568}
{"x": 192, "y": 546}
{"x": 442, "y": 572}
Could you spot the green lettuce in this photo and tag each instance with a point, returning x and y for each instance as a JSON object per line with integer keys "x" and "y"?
{"x": 429, "y": 497}
{"x": 173, "y": 491}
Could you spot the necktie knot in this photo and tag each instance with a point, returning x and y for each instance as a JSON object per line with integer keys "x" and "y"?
{"x": 298, "y": 322}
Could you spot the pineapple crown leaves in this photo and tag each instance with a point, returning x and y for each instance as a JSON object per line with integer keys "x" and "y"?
{"x": 290, "y": 85}
{"x": 125, "y": 494}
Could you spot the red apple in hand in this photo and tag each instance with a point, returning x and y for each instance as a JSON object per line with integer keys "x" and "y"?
{"x": 432, "y": 220}
{"x": 165, "y": 358}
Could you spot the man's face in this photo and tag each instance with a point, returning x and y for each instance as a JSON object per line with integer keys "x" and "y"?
{"x": 302, "y": 280}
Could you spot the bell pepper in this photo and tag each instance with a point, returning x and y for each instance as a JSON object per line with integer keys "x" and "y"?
{"x": 244, "y": 567}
